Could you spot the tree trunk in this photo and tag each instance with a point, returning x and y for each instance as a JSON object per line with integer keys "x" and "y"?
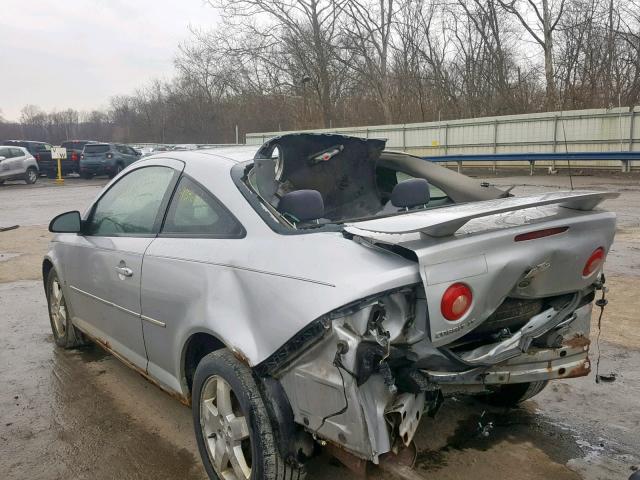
{"x": 549, "y": 73}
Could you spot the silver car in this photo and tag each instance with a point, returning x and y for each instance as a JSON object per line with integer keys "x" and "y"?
{"x": 16, "y": 163}
{"x": 325, "y": 291}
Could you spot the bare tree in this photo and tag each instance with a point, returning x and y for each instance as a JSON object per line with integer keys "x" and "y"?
{"x": 302, "y": 34}
{"x": 368, "y": 34}
{"x": 547, "y": 14}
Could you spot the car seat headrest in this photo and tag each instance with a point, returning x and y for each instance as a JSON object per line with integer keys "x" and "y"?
{"x": 302, "y": 205}
{"x": 410, "y": 193}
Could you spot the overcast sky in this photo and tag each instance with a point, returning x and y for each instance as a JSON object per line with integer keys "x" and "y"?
{"x": 77, "y": 53}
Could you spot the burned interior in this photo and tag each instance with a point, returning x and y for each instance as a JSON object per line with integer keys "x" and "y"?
{"x": 310, "y": 180}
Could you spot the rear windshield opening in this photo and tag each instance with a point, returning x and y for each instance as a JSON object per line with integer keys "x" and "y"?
{"x": 96, "y": 149}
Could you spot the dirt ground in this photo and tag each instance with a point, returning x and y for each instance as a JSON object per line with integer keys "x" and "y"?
{"x": 82, "y": 414}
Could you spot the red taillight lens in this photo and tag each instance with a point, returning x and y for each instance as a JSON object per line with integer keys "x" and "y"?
{"x": 547, "y": 232}
{"x": 594, "y": 263}
{"x": 37, "y": 157}
{"x": 456, "y": 301}
{"x": 74, "y": 157}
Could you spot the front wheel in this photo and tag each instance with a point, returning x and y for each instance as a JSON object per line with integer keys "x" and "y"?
{"x": 232, "y": 427}
{"x": 513, "y": 394}
{"x": 65, "y": 334}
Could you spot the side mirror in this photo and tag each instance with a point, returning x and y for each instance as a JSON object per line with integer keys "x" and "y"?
{"x": 69, "y": 222}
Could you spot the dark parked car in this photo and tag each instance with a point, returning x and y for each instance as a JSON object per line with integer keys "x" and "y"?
{"x": 106, "y": 159}
{"x": 74, "y": 152}
{"x": 41, "y": 151}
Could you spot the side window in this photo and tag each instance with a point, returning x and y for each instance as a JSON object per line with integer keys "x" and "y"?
{"x": 16, "y": 152}
{"x": 131, "y": 206}
{"x": 194, "y": 211}
{"x": 42, "y": 147}
{"x": 4, "y": 152}
{"x": 121, "y": 149}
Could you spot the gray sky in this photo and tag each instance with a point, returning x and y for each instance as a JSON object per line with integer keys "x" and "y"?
{"x": 77, "y": 53}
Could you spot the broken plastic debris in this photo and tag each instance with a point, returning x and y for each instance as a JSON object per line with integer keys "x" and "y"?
{"x": 607, "y": 378}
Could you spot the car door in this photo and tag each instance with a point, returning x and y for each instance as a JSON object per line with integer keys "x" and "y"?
{"x": 173, "y": 288}
{"x": 133, "y": 155}
{"x": 19, "y": 157}
{"x": 103, "y": 265}
{"x": 125, "y": 155}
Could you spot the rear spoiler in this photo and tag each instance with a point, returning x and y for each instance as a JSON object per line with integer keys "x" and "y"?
{"x": 445, "y": 221}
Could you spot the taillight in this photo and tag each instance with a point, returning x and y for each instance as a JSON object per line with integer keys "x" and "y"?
{"x": 547, "y": 232}
{"x": 37, "y": 157}
{"x": 456, "y": 301}
{"x": 74, "y": 157}
{"x": 594, "y": 263}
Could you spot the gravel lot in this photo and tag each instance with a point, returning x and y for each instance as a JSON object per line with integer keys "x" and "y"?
{"x": 82, "y": 414}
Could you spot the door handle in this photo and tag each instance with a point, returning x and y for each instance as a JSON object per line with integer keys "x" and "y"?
{"x": 126, "y": 271}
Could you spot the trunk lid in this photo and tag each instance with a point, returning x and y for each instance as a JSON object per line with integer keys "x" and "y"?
{"x": 475, "y": 244}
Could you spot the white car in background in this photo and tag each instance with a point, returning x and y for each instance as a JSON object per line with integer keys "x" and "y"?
{"x": 16, "y": 163}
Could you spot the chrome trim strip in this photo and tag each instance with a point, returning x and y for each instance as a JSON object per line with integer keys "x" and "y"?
{"x": 153, "y": 321}
{"x": 126, "y": 310}
{"x": 106, "y": 302}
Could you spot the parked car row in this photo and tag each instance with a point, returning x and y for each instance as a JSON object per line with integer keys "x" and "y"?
{"x": 27, "y": 160}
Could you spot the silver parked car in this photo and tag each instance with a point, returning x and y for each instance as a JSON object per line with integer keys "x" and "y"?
{"x": 16, "y": 163}
{"x": 325, "y": 290}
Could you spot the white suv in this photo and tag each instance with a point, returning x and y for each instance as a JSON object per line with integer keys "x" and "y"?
{"x": 16, "y": 163}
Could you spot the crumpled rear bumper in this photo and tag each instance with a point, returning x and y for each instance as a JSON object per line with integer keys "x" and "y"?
{"x": 537, "y": 364}
{"x": 570, "y": 359}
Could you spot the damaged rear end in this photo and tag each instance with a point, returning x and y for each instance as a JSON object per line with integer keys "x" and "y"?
{"x": 505, "y": 297}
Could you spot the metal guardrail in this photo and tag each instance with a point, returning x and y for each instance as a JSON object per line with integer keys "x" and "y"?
{"x": 557, "y": 159}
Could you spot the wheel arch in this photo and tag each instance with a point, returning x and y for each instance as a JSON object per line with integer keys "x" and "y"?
{"x": 195, "y": 348}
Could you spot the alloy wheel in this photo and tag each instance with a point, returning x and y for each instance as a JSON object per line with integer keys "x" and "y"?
{"x": 58, "y": 308}
{"x": 32, "y": 175}
{"x": 225, "y": 430}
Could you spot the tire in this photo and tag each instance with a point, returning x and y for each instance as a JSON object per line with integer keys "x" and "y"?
{"x": 513, "y": 394}
{"x": 244, "y": 423}
{"x": 1, "y": 182}
{"x": 65, "y": 334}
{"x": 31, "y": 176}
{"x": 119, "y": 168}
{"x": 87, "y": 175}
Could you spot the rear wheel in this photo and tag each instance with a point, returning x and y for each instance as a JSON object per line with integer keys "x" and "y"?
{"x": 119, "y": 168}
{"x": 65, "y": 334}
{"x": 31, "y": 176}
{"x": 233, "y": 430}
{"x": 513, "y": 394}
